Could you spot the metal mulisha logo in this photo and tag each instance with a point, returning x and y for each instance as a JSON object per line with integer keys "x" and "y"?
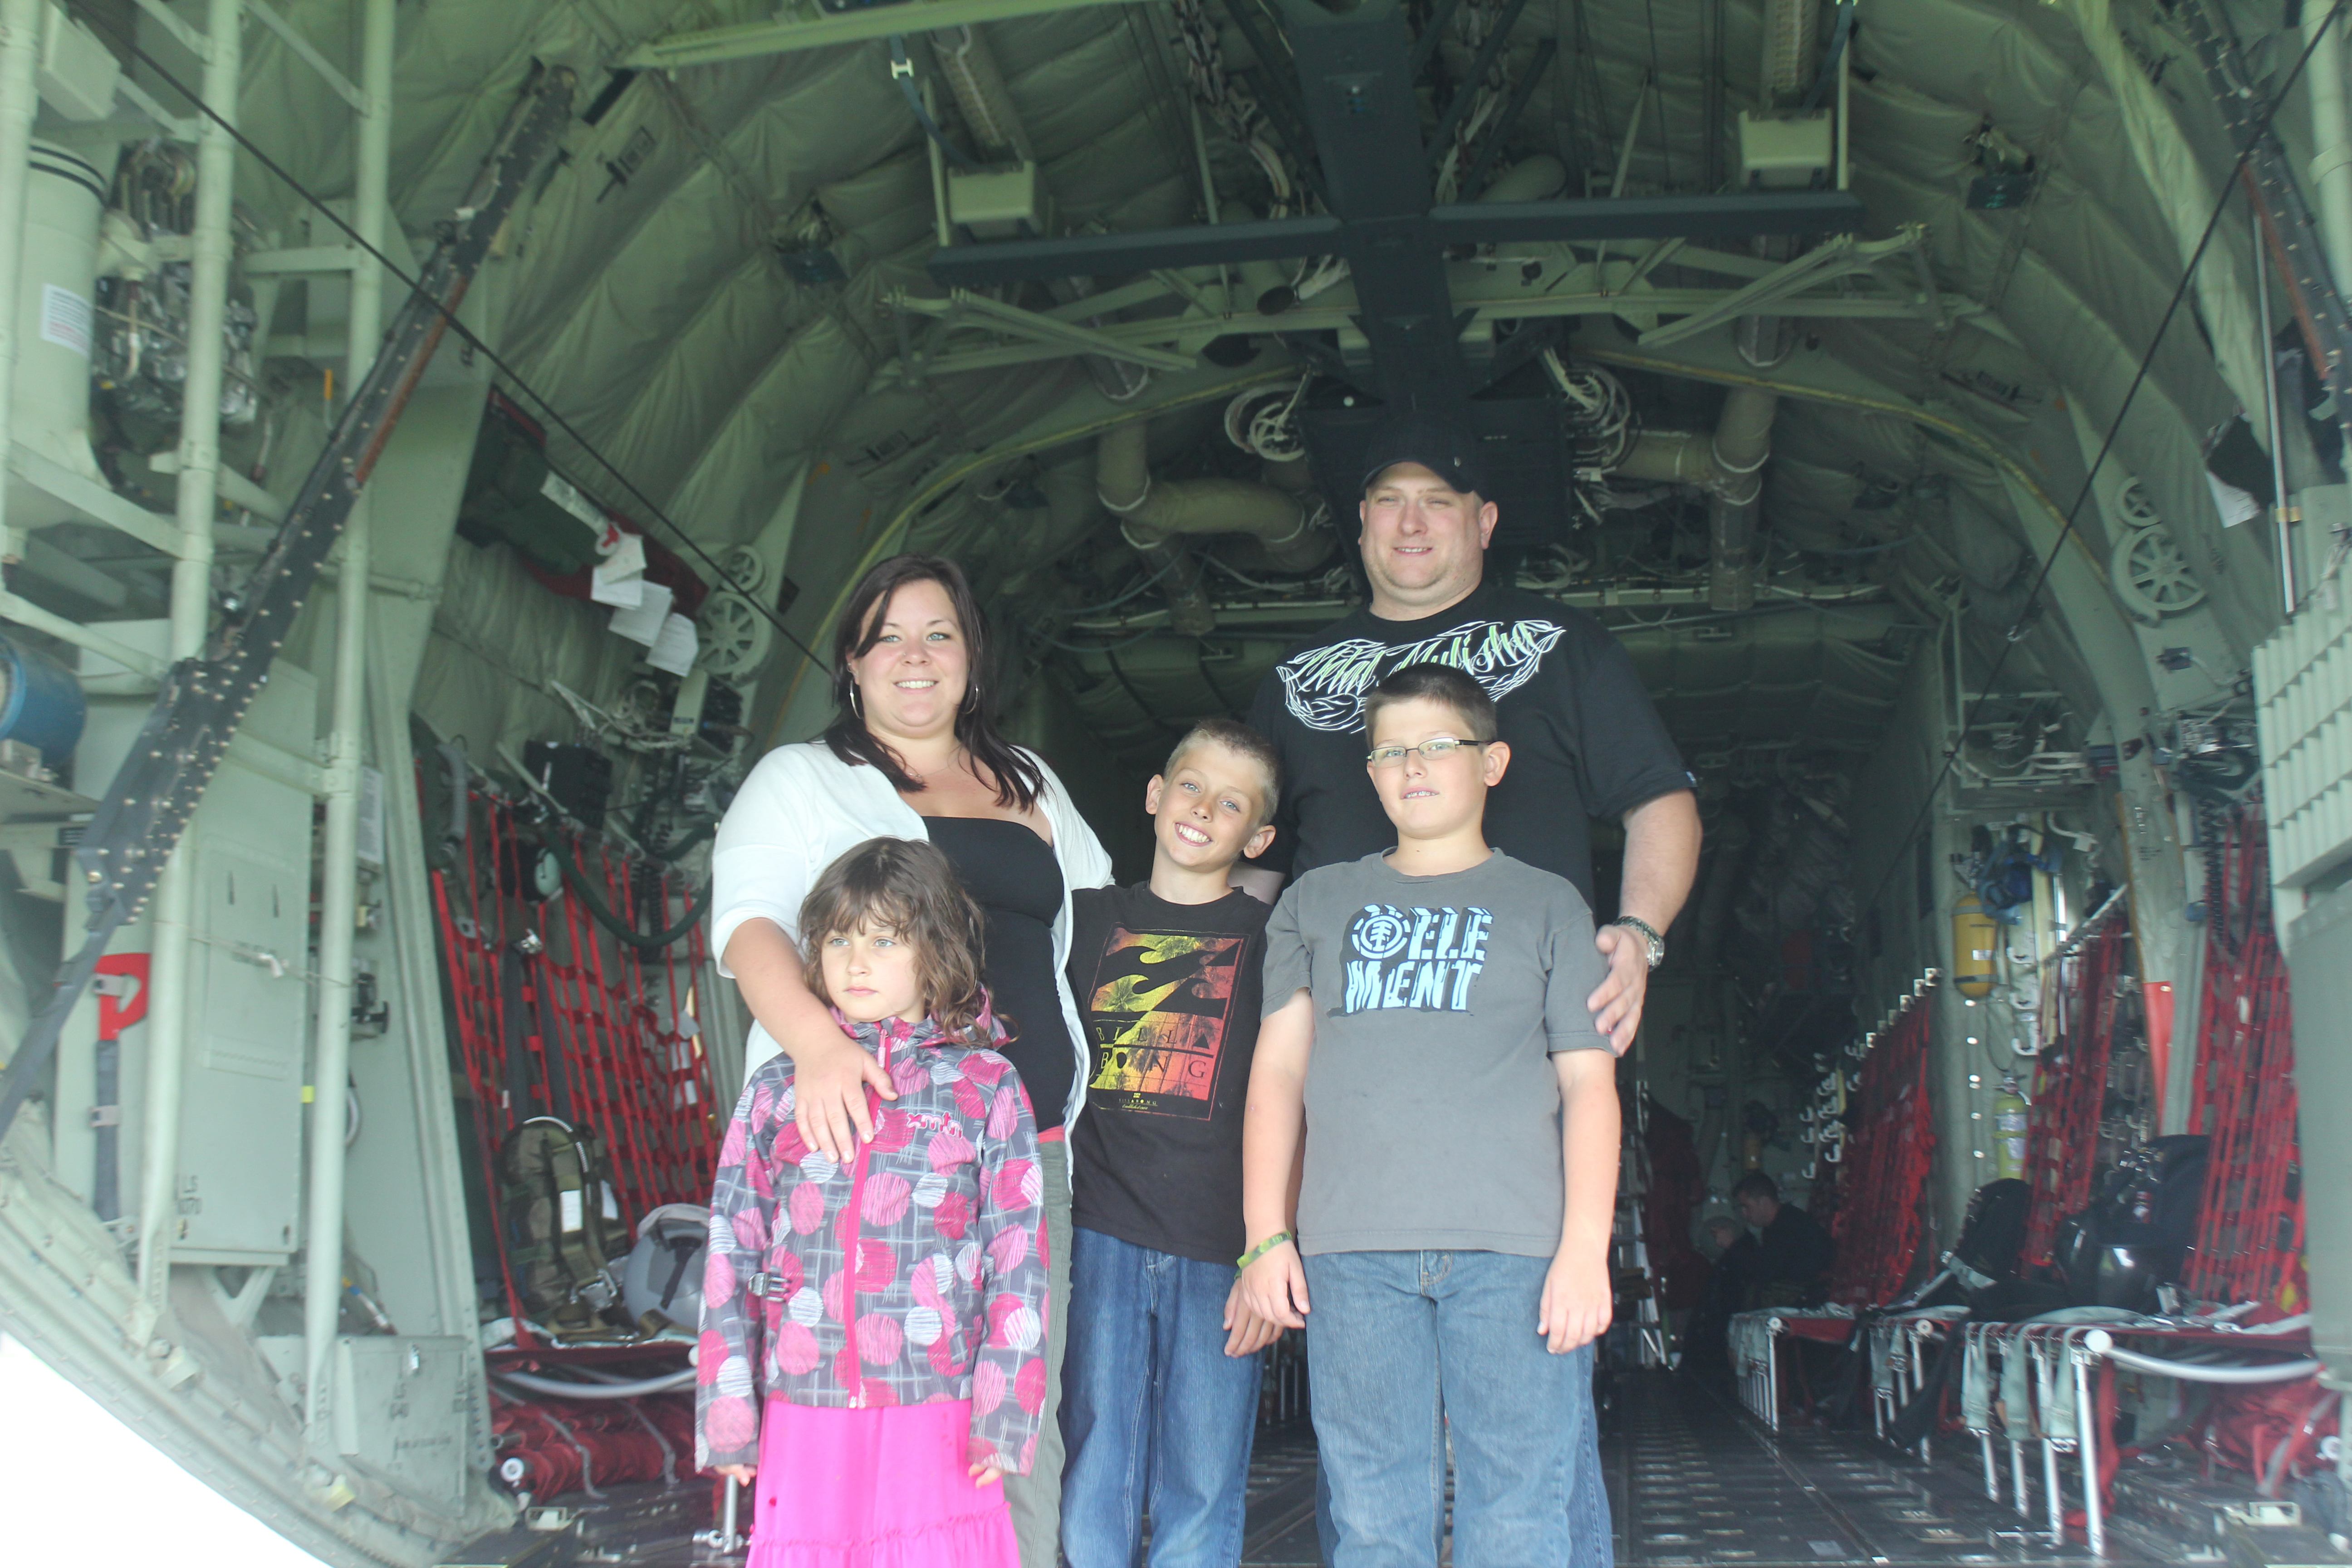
{"x": 1325, "y": 686}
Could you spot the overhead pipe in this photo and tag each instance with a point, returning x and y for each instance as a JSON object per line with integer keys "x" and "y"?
{"x": 1535, "y": 178}
{"x": 1123, "y": 484}
{"x": 1742, "y": 446}
{"x": 1728, "y": 465}
{"x": 174, "y": 907}
{"x": 1156, "y": 516}
{"x": 1727, "y": 854}
{"x": 339, "y": 884}
{"x": 2331, "y": 163}
{"x": 20, "y": 49}
{"x": 1743, "y": 434}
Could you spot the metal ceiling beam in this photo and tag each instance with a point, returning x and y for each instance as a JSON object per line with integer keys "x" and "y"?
{"x": 1483, "y": 223}
{"x": 1649, "y": 218}
{"x": 1068, "y": 337}
{"x": 815, "y": 29}
{"x": 1190, "y": 332}
{"x": 1140, "y": 250}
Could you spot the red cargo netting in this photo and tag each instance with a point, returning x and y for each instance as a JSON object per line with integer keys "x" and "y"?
{"x": 2070, "y": 1084}
{"x": 1886, "y": 1165}
{"x": 622, "y": 1020}
{"x": 2250, "y": 1233}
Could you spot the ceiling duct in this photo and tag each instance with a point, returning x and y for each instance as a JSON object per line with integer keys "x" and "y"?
{"x": 1157, "y": 516}
{"x": 1743, "y": 434}
{"x": 1728, "y": 467}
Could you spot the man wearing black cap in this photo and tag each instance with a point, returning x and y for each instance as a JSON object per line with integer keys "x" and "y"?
{"x": 1585, "y": 741}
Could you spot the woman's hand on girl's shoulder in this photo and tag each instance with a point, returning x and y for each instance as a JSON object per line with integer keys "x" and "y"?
{"x": 829, "y": 1104}
{"x": 985, "y": 1475}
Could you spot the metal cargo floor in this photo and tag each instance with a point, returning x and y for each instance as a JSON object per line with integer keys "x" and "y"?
{"x": 1694, "y": 1483}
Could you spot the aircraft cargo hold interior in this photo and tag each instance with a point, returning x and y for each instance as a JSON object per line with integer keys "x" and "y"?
{"x": 499, "y": 498}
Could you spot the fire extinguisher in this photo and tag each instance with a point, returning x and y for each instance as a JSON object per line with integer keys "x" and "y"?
{"x": 1976, "y": 944}
{"x": 2010, "y": 1111}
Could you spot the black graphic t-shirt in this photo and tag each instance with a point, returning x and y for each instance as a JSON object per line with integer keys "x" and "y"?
{"x": 1168, "y": 996}
{"x": 1585, "y": 739}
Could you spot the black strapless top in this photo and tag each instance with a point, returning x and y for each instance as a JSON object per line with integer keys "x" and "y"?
{"x": 1012, "y": 875}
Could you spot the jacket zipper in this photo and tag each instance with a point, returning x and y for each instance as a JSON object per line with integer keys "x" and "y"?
{"x": 857, "y": 1235}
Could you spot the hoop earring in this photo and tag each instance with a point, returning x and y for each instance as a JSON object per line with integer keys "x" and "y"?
{"x": 971, "y": 698}
{"x": 854, "y": 706}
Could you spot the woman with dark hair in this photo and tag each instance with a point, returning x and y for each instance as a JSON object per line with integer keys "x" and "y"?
{"x": 914, "y": 752}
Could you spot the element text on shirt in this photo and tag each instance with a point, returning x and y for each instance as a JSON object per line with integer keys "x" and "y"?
{"x": 1422, "y": 958}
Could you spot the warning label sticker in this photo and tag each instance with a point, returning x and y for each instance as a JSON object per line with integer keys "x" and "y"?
{"x": 65, "y": 319}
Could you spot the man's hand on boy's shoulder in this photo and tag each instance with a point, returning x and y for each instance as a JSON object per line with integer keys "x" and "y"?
{"x": 1616, "y": 1007}
{"x": 1576, "y": 1304}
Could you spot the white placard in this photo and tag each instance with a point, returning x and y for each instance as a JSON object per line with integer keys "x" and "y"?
{"x": 675, "y": 649}
{"x": 370, "y": 847}
{"x": 65, "y": 319}
{"x": 641, "y": 622}
{"x": 563, "y": 493}
{"x": 620, "y": 577}
{"x": 2234, "y": 504}
{"x": 569, "y": 1210}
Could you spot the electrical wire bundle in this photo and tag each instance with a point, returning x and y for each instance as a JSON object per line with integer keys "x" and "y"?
{"x": 1229, "y": 101}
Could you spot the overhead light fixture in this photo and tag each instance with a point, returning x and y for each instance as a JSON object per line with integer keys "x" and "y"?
{"x": 2007, "y": 177}
{"x": 1992, "y": 193}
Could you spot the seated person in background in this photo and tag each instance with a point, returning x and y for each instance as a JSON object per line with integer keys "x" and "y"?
{"x": 1735, "y": 1255}
{"x": 1790, "y": 1265}
{"x": 1703, "y": 1346}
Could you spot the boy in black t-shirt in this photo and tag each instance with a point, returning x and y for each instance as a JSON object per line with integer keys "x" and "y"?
{"x": 1160, "y": 1378}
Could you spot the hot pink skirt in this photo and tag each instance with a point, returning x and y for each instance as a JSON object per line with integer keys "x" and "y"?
{"x": 885, "y": 1487}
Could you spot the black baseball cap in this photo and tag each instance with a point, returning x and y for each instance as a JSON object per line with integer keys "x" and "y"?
{"x": 1439, "y": 445}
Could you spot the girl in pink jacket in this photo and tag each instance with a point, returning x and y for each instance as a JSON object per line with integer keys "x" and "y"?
{"x": 873, "y": 1335}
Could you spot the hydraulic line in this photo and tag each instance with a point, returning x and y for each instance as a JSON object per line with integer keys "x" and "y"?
{"x": 2100, "y": 1343}
{"x": 577, "y": 879}
{"x": 558, "y": 1388}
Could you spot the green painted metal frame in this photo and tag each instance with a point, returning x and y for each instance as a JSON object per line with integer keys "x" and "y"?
{"x": 816, "y": 30}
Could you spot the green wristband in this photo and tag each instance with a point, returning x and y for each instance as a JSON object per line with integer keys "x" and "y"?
{"x": 1261, "y": 1249}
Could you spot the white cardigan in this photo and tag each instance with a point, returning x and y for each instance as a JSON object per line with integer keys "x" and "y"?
{"x": 802, "y": 807}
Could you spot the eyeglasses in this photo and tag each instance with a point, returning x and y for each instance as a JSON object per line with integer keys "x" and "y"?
{"x": 1428, "y": 751}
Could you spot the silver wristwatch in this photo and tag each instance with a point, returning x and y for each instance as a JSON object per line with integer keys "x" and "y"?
{"x": 1648, "y": 933}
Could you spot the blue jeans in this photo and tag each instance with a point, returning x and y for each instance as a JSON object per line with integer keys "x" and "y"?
{"x": 1593, "y": 1537}
{"x": 1155, "y": 1414}
{"x": 1403, "y": 1346}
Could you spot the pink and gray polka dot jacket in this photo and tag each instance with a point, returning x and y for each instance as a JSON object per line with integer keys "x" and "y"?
{"x": 916, "y": 1273}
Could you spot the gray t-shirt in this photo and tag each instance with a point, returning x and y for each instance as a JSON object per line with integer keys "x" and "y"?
{"x": 1432, "y": 1108}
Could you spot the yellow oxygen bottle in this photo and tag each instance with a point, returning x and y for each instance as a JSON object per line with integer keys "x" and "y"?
{"x": 1976, "y": 945}
{"x": 2010, "y": 1116}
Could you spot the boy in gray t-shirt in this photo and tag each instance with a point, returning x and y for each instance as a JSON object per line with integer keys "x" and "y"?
{"x": 1425, "y": 1029}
